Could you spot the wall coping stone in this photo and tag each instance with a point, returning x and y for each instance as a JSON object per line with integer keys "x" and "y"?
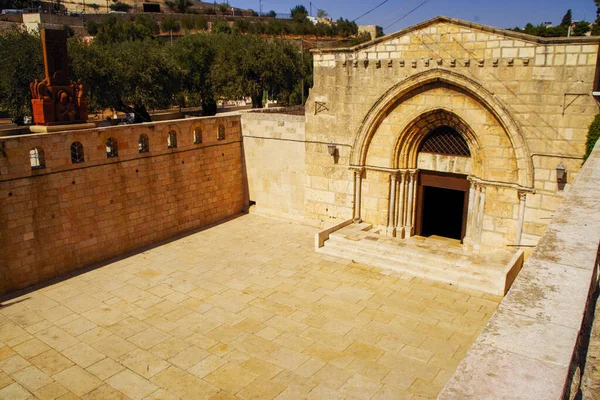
{"x": 273, "y": 117}
{"x": 530, "y": 347}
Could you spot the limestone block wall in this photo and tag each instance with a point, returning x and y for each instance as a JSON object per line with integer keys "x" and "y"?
{"x": 526, "y": 100}
{"x": 329, "y": 190}
{"x": 274, "y": 154}
{"x": 68, "y": 215}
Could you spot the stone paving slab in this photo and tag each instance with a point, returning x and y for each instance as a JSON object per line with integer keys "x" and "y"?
{"x": 245, "y": 309}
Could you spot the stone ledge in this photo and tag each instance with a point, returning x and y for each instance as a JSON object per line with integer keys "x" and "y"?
{"x": 529, "y": 349}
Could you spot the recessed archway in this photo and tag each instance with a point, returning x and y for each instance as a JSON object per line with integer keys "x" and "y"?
{"x": 408, "y": 142}
{"x": 389, "y": 101}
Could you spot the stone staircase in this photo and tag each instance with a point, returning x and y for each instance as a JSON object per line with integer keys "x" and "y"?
{"x": 435, "y": 258}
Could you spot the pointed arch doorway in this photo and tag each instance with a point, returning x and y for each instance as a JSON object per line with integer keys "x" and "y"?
{"x": 442, "y": 204}
{"x": 442, "y": 196}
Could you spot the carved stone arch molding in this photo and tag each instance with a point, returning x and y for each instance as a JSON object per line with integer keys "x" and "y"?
{"x": 407, "y": 144}
{"x": 389, "y": 100}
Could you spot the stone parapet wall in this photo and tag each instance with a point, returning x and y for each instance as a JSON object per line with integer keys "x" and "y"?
{"x": 67, "y": 216}
{"x": 530, "y": 348}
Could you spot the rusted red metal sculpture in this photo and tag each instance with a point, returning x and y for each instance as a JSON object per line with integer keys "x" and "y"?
{"x": 57, "y": 100}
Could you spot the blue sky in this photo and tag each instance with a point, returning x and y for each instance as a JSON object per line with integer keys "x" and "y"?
{"x": 501, "y": 14}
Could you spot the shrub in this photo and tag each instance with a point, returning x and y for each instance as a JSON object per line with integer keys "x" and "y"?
{"x": 118, "y": 6}
{"x": 201, "y": 24}
{"x": 91, "y": 27}
{"x": 188, "y": 23}
{"x": 220, "y": 27}
{"x": 592, "y": 136}
{"x": 170, "y": 25}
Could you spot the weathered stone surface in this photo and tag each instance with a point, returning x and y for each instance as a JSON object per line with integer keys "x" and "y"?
{"x": 530, "y": 337}
{"x": 488, "y": 372}
{"x": 560, "y": 303}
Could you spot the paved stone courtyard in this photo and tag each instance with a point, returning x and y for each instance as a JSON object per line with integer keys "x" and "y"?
{"x": 246, "y": 310}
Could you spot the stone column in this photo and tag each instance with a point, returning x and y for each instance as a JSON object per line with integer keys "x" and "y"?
{"x": 391, "y": 229}
{"x": 479, "y": 221}
{"x": 414, "y": 199}
{"x": 522, "y": 198}
{"x": 358, "y": 172}
{"x": 401, "y": 201}
{"x": 468, "y": 240}
{"x": 408, "y": 224}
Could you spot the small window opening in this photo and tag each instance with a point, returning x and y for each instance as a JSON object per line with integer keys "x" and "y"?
{"x": 172, "y": 140}
{"x": 197, "y": 135}
{"x": 112, "y": 149}
{"x": 446, "y": 141}
{"x": 221, "y": 133}
{"x": 36, "y": 158}
{"x": 143, "y": 143}
{"x": 77, "y": 153}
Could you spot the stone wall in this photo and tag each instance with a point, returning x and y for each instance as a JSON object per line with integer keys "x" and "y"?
{"x": 524, "y": 102}
{"x": 274, "y": 149}
{"x": 532, "y": 346}
{"x": 67, "y": 216}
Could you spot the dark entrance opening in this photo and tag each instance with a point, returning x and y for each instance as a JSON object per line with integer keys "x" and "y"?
{"x": 442, "y": 212}
{"x": 442, "y": 204}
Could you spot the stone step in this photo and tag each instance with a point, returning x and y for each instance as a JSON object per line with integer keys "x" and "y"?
{"x": 465, "y": 278}
{"x": 436, "y": 258}
{"x": 399, "y": 250}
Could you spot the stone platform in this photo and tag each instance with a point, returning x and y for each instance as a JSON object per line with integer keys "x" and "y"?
{"x": 243, "y": 310}
{"x": 436, "y": 258}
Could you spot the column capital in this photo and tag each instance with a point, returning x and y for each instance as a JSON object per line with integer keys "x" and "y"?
{"x": 522, "y": 195}
{"x": 357, "y": 169}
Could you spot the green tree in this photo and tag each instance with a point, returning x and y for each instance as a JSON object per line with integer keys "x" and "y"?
{"x": 299, "y": 14}
{"x": 20, "y": 64}
{"x": 581, "y": 28}
{"x": 272, "y": 14}
{"x": 195, "y": 55}
{"x": 567, "y": 19}
{"x": 345, "y": 28}
{"x": 596, "y": 27}
{"x": 322, "y": 13}
{"x": 249, "y": 66}
{"x": 117, "y": 77}
{"x": 113, "y": 30}
{"x": 183, "y": 5}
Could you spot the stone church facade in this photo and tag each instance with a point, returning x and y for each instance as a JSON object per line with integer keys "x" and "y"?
{"x": 452, "y": 116}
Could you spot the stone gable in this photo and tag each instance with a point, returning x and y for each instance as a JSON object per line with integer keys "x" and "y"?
{"x": 450, "y": 42}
